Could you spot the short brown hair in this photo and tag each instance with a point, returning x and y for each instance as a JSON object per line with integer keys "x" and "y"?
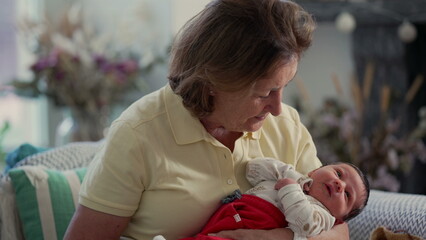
{"x": 356, "y": 211}
{"x": 232, "y": 43}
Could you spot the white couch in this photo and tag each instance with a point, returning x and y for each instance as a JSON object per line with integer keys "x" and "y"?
{"x": 25, "y": 217}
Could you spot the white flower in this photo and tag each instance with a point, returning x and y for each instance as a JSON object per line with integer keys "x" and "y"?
{"x": 392, "y": 159}
{"x": 422, "y": 125}
{"x": 74, "y": 14}
{"x": 147, "y": 59}
{"x": 64, "y": 43}
{"x": 422, "y": 112}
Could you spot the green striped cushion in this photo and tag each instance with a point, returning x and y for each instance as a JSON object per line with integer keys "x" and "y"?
{"x": 46, "y": 200}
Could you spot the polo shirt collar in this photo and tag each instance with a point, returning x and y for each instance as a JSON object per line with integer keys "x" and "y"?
{"x": 253, "y": 135}
{"x": 185, "y": 127}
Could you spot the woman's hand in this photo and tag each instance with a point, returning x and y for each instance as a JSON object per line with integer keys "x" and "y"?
{"x": 249, "y": 234}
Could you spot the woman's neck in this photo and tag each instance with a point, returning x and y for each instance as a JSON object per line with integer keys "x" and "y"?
{"x": 224, "y": 136}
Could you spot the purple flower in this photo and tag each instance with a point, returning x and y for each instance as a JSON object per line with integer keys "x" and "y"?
{"x": 103, "y": 64}
{"x": 330, "y": 120}
{"x": 127, "y": 66}
{"x": 120, "y": 77}
{"x": 40, "y": 65}
{"x": 347, "y": 125}
{"x": 43, "y": 63}
{"x": 59, "y": 75}
{"x": 385, "y": 180}
{"x": 100, "y": 61}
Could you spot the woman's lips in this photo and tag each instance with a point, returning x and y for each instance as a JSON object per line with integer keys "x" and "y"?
{"x": 261, "y": 117}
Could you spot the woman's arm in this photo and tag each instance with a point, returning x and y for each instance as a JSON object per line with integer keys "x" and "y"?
{"x": 304, "y": 216}
{"x": 338, "y": 232}
{"x": 249, "y": 234}
{"x": 90, "y": 224}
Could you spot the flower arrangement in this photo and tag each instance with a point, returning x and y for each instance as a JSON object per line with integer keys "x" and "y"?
{"x": 384, "y": 155}
{"x": 76, "y": 83}
{"x": 79, "y": 69}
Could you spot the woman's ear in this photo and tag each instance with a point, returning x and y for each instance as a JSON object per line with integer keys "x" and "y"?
{"x": 210, "y": 89}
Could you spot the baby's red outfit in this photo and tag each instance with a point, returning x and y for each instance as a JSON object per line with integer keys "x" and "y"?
{"x": 249, "y": 212}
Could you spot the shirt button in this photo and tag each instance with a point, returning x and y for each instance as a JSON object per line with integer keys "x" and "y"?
{"x": 229, "y": 181}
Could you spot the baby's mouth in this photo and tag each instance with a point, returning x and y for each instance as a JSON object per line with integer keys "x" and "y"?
{"x": 328, "y": 189}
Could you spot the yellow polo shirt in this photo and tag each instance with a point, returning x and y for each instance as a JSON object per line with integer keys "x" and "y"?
{"x": 160, "y": 166}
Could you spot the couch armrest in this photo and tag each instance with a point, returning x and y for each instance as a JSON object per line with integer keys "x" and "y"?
{"x": 395, "y": 211}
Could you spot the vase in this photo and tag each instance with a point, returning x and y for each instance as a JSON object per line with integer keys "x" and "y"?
{"x": 79, "y": 125}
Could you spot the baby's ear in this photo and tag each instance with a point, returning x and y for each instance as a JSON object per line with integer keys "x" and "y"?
{"x": 310, "y": 173}
{"x": 338, "y": 221}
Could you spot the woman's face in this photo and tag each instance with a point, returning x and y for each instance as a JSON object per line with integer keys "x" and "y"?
{"x": 246, "y": 110}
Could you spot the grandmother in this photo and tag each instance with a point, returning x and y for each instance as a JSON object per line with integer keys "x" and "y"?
{"x": 171, "y": 157}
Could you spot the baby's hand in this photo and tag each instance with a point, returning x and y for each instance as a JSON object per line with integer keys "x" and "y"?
{"x": 284, "y": 182}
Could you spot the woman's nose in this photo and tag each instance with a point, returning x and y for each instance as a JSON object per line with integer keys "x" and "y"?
{"x": 275, "y": 103}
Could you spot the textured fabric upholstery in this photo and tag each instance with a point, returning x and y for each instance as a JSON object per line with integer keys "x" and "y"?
{"x": 396, "y": 211}
{"x": 69, "y": 156}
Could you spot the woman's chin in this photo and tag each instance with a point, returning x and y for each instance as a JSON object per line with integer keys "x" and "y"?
{"x": 254, "y": 127}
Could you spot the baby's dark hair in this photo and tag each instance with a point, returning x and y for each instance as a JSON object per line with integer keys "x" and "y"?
{"x": 355, "y": 212}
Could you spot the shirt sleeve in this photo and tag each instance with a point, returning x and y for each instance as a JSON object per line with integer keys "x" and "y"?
{"x": 113, "y": 181}
{"x": 305, "y": 216}
{"x": 285, "y": 138}
{"x": 269, "y": 169}
{"x": 307, "y": 152}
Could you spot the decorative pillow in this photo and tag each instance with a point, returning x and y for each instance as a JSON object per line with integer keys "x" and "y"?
{"x": 69, "y": 156}
{"x": 46, "y": 199}
{"x": 23, "y": 151}
{"x": 397, "y": 212}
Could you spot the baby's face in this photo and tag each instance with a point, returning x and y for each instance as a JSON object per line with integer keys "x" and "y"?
{"x": 338, "y": 187}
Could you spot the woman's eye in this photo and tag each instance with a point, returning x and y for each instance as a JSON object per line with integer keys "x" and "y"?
{"x": 264, "y": 96}
{"x": 338, "y": 173}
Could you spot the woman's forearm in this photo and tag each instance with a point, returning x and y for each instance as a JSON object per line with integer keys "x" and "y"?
{"x": 338, "y": 232}
{"x": 248, "y": 234}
